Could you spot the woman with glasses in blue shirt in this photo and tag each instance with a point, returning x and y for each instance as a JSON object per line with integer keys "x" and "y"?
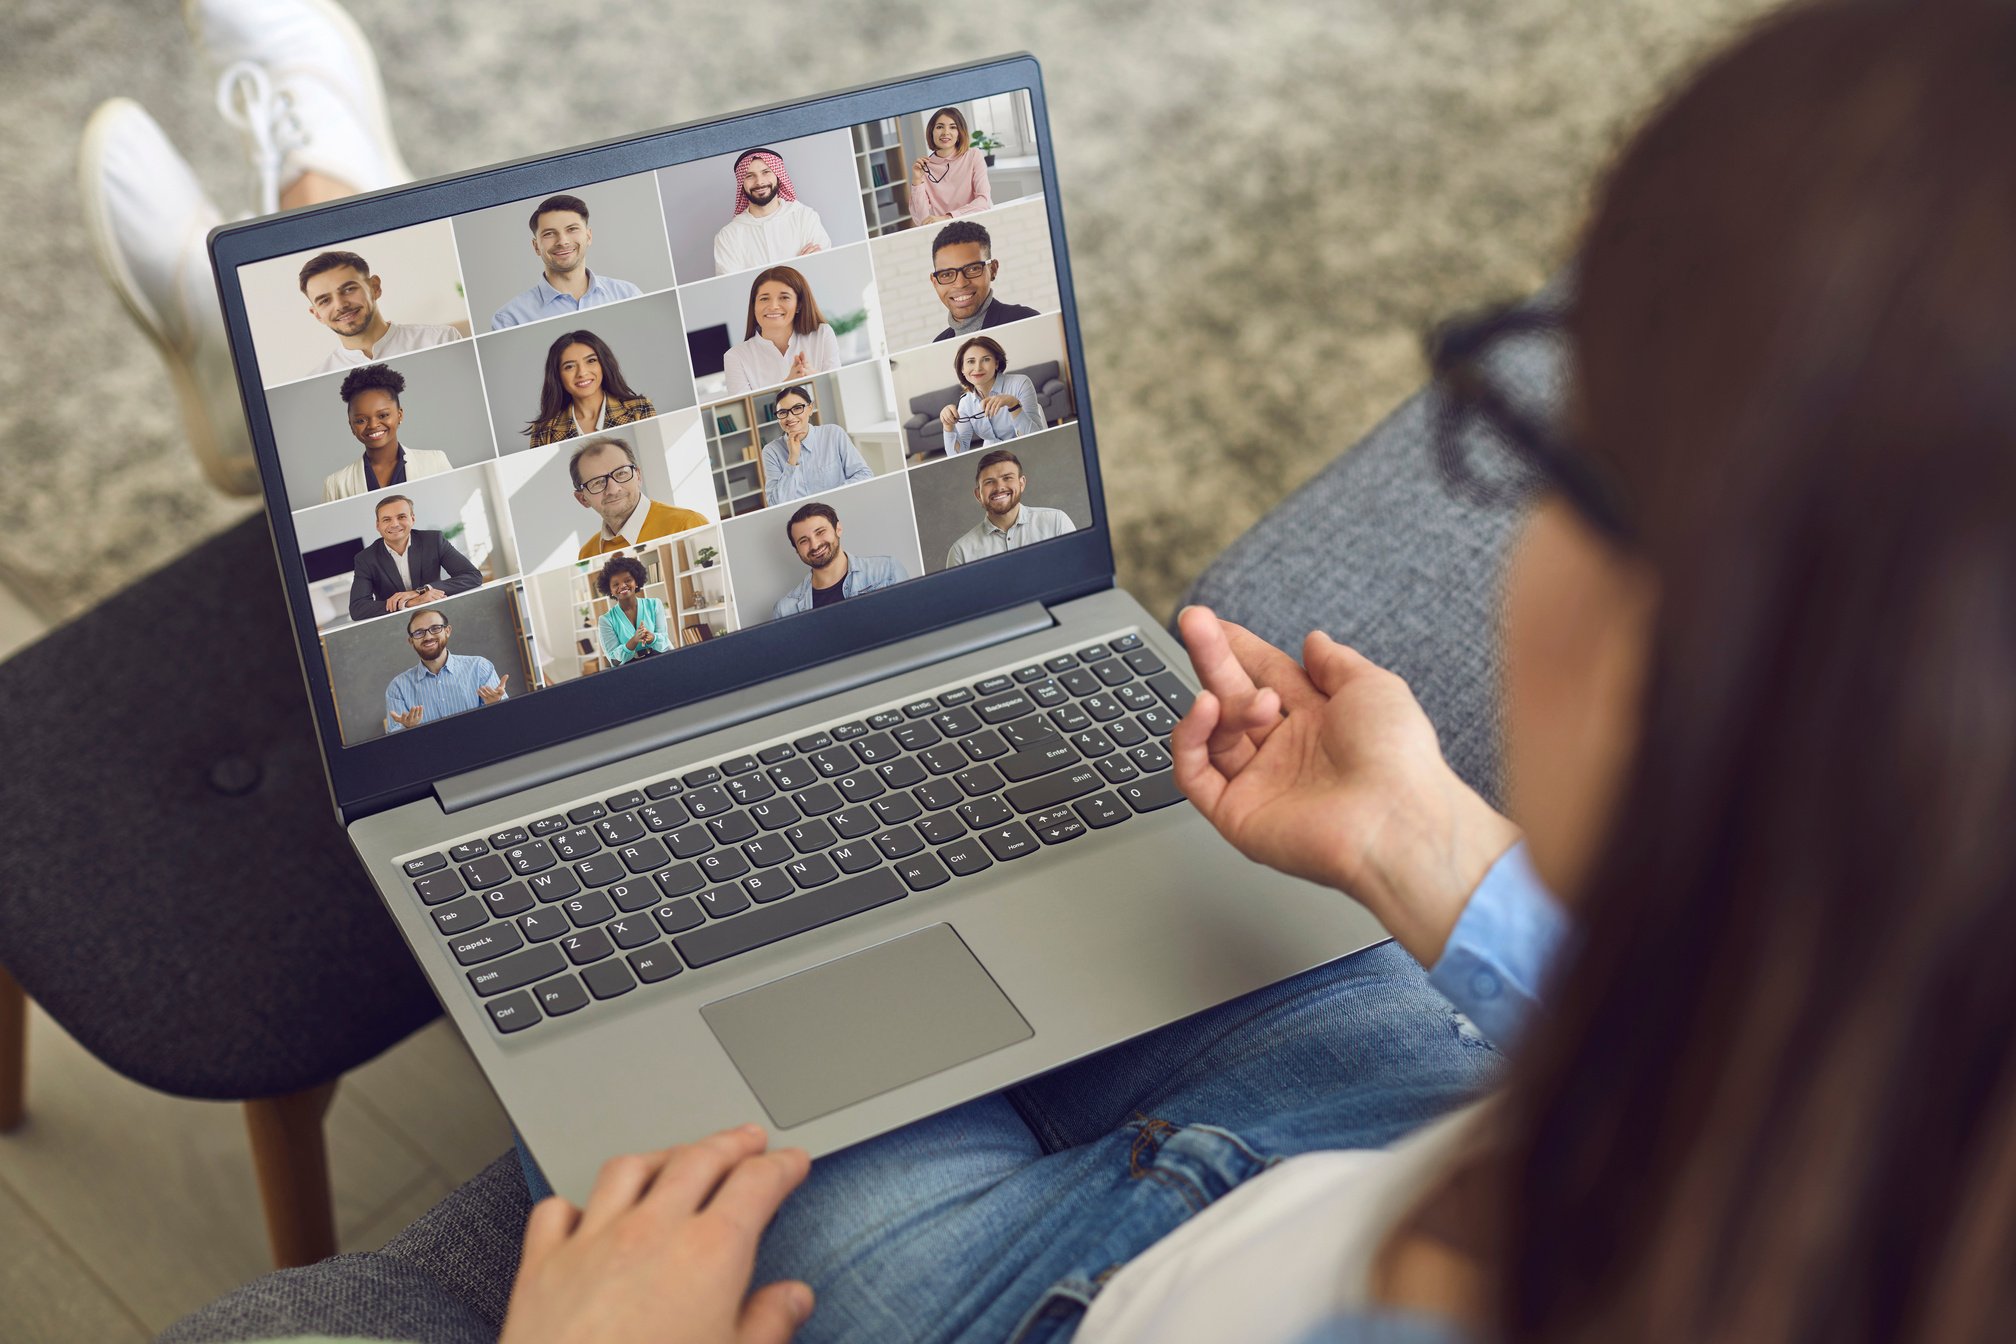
{"x": 996, "y": 405}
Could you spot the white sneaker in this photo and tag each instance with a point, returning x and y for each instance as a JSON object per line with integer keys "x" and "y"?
{"x": 147, "y": 218}
{"x": 299, "y": 79}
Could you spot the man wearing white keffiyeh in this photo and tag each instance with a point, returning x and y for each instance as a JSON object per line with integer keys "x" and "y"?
{"x": 770, "y": 223}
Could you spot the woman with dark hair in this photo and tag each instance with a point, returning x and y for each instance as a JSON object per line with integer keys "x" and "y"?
{"x": 1760, "y": 732}
{"x": 952, "y": 179}
{"x": 996, "y": 405}
{"x": 634, "y": 625}
{"x": 584, "y": 391}
{"x": 371, "y": 395}
{"x": 786, "y": 339}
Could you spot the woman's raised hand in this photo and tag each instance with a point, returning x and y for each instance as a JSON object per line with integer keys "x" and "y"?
{"x": 1328, "y": 770}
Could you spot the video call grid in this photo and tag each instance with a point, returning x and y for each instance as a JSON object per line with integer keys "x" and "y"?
{"x": 515, "y": 584}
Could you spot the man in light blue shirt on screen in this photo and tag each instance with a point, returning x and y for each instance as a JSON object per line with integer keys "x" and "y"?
{"x": 441, "y": 683}
{"x": 560, "y": 239}
{"x": 1008, "y": 524}
{"x": 815, "y": 534}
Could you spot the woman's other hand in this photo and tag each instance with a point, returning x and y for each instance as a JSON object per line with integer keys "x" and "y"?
{"x": 662, "y": 1252}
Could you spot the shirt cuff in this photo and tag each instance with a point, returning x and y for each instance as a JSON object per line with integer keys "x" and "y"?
{"x": 1503, "y": 949}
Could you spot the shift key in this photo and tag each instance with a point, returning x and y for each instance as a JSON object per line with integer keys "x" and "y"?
{"x": 518, "y": 970}
{"x": 1053, "y": 789}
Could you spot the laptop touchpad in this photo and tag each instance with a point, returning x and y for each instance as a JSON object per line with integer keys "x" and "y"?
{"x": 851, "y": 1029}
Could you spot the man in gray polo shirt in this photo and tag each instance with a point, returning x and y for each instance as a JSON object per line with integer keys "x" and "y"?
{"x": 1009, "y": 524}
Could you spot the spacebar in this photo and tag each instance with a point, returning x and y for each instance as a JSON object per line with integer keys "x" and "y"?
{"x": 807, "y": 910}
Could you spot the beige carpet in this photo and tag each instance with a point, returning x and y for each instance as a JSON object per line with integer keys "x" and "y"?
{"x": 1268, "y": 203}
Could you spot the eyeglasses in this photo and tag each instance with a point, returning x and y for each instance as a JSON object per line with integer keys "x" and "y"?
{"x": 427, "y": 632}
{"x": 1474, "y": 414}
{"x": 802, "y": 408}
{"x": 623, "y": 475}
{"x": 972, "y": 270}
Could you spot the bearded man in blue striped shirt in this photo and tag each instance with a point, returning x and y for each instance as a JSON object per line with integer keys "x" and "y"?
{"x": 442, "y": 683}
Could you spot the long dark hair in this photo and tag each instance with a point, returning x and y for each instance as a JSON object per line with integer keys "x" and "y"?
{"x": 1774, "y": 1097}
{"x": 553, "y": 394}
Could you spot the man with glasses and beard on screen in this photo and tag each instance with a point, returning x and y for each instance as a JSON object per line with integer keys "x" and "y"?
{"x": 441, "y": 683}
{"x": 606, "y": 480}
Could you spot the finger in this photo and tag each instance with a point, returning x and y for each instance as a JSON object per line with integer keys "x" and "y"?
{"x": 774, "y": 1312}
{"x": 553, "y": 1220}
{"x": 1190, "y": 750}
{"x": 748, "y": 1198}
{"x": 1269, "y": 667}
{"x": 696, "y": 1169}
{"x": 619, "y": 1185}
{"x": 503, "y": 681}
{"x": 1331, "y": 664}
{"x": 1236, "y": 664}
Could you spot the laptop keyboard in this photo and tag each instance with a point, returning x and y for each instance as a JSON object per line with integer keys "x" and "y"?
{"x": 594, "y": 901}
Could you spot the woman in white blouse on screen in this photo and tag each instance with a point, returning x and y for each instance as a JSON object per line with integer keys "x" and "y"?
{"x": 786, "y": 339}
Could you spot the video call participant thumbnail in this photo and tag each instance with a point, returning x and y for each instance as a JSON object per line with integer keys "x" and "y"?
{"x": 995, "y": 405}
{"x": 815, "y": 534}
{"x": 770, "y": 222}
{"x": 634, "y": 626}
{"x": 405, "y": 566}
{"x": 371, "y": 397}
{"x": 606, "y": 479}
{"x": 952, "y": 179}
{"x": 343, "y": 296}
{"x": 786, "y": 338}
{"x": 807, "y": 459}
{"x": 560, "y": 239}
{"x": 1006, "y": 523}
{"x": 441, "y": 683}
{"x": 963, "y": 268}
{"x": 584, "y": 391}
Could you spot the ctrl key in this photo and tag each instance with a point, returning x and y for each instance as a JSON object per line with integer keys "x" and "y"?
{"x": 513, "y": 1012}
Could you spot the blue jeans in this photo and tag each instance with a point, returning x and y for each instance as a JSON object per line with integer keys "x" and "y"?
{"x": 1001, "y": 1218}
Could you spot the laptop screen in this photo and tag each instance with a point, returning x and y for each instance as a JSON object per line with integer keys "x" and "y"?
{"x": 529, "y": 448}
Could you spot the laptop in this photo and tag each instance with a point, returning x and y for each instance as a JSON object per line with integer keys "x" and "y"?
{"x": 696, "y": 552}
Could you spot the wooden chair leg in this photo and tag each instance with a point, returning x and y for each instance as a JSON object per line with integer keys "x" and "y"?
{"x": 293, "y": 1165}
{"x": 13, "y": 1049}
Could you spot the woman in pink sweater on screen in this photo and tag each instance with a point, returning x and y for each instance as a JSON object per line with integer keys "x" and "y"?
{"x": 952, "y": 179}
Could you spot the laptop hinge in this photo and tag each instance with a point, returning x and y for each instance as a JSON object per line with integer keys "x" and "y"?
{"x": 547, "y": 764}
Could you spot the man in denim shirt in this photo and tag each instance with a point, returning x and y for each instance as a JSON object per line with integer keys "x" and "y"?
{"x": 815, "y": 534}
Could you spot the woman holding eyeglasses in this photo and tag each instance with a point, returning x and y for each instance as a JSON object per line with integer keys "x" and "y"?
{"x": 996, "y": 406}
{"x": 584, "y": 392}
{"x": 786, "y": 337}
{"x": 634, "y": 626}
{"x": 952, "y": 179}
{"x": 807, "y": 459}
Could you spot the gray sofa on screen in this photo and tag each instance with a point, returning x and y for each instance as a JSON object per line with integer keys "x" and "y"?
{"x": 1405, "y": 571}
{"x": 923, "y": 435}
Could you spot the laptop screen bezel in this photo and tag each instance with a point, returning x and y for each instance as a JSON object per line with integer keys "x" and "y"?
{"x": 400, "y": 768}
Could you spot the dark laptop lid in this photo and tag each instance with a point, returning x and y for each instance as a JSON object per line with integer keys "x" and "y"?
{"x": 520, "y": 435}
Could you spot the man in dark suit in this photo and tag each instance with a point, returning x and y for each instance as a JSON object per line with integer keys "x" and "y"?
{"x": 404, "y": 567}
{"x": 963, "y": 268}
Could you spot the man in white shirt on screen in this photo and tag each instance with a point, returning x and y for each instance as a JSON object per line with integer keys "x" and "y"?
{"x": 343, "y": 296}
{"x": 771, "y": 224}
{"x": 1008, "y": 523}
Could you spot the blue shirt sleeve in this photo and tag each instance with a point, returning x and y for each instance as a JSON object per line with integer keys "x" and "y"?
{"x": 1503, "y": 949}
